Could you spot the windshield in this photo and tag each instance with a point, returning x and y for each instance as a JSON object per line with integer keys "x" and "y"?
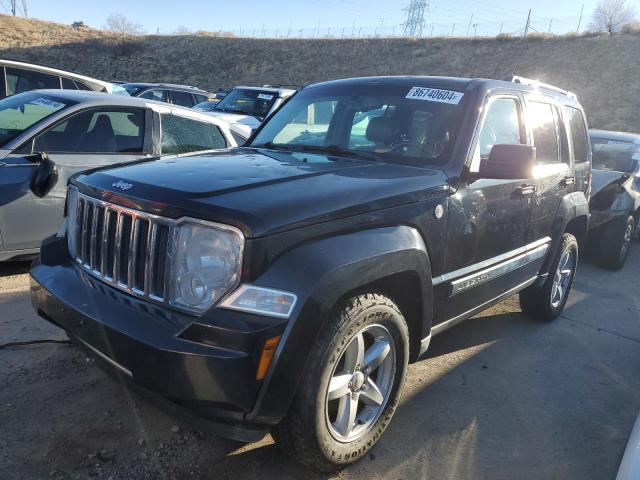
{"x": 257, "y": 103}
{"x": 207, "y": 106}
{"x": 616, "y": 155}
{"x": 20, "y": 112}
{"x": 387, "y": 123}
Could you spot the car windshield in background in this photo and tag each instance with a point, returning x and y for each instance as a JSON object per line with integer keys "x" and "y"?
{"x": 245, "y": 101}
{"x": 207, "y": 106}
{"x": 20, "y": 112}
{"x": 616, "y": 155}
{"x": 401, "y": 124}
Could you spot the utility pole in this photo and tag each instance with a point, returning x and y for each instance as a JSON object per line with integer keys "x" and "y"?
{"x": 526, "y": 27}
{"x": 13, "y": 7}
{"x": 414, "y": 24}
{"x": 469, "y": 27}
{"x": 453, "y": 29}
{"x": 550, "y": 23}
{"x": 501, "y": 25}
{"x": 431, "y": 29}
{"x": 580, "y": 19}
{"x": 475, "y": 29}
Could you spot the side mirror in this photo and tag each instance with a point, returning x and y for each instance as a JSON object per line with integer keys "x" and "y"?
{"x": 45, "y": 176}
{"x": 509, "y": 162}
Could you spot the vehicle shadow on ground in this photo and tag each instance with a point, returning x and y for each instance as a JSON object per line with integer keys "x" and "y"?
{"x": 521, "y": 384}
{"x": 14, "y": 268}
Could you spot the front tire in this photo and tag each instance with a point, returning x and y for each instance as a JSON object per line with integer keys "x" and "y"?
{"x": 546, "y": 303}
{"x": 351, "y": 385}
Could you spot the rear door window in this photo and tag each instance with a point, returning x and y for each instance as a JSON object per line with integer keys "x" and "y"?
{"x": 183, "y": 135}
{"x": 21, "y": 80}
{"x": 578, "y": 135}
{"x": 542, "y": 121}
{"x": 183, "y": 99}
{"x": 96, "y": 131}
{"x": 3, "y": 86}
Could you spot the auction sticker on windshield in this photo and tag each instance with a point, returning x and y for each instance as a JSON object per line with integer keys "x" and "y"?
{"x": 435, "y": 95}
{"x": 264, "y": 96}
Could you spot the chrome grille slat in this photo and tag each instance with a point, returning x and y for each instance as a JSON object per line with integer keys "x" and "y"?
{"x": 148, "y": 267}
{"x": 104, "y": 252}
{"x": 93, "y": 262}
{"x": 105, "y": 243}
{"x": 133, "y": 248}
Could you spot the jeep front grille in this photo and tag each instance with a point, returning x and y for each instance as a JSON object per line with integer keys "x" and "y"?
{"x": 126, "y": 248}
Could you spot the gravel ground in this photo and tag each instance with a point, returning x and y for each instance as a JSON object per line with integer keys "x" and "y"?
{"x": 498, "y": 397}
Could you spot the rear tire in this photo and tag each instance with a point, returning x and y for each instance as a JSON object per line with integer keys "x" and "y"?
{"x": 547, "y": 302}
{"x": 615, "y": 242}
{"x": 354, "y": 374}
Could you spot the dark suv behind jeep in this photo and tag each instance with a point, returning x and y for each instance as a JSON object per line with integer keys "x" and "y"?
{"x": 285, "y": 285}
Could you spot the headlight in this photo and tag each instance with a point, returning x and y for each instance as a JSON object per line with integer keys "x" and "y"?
{"x": 206, "y": 264}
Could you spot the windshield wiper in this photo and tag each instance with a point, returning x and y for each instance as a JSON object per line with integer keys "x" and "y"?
{"x": 322, "y": 149}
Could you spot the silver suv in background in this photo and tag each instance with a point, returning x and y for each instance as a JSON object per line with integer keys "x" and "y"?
{"x": 49, "y": 135}
{"x": 183, "y": 95}
{"x": 18, "y": 77}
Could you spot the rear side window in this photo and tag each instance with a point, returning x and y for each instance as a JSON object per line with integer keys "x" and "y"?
{"x": 96, "y": 131}
{"x": 183, "y": 99}
{"x": 19, "y": 80}
{"x": 200, "y": 98}
{"x": 183, "y": 135}
{"x": 578, "y": 135}
{"x": 541, "y": 118}
{"x": 68, "y": 84}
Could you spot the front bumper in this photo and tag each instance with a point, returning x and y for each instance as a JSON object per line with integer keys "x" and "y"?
{"x": 206, "y": 366}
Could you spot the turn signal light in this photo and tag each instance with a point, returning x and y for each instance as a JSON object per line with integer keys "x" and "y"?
{"x": 268, "y": 351}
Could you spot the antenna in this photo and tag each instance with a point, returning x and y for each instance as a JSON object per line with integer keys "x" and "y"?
{"x": 414, "y": 25}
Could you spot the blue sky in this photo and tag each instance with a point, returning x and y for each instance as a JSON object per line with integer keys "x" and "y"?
{"x": 334, "y": 17}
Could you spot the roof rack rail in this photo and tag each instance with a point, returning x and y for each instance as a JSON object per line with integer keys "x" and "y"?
{"x": 546, "y": 86}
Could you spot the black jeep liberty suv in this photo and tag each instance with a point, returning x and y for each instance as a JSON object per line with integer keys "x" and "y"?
{"x": 285, "y": 285}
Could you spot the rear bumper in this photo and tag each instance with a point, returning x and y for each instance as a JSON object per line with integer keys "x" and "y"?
{"x": 202, "y": 365}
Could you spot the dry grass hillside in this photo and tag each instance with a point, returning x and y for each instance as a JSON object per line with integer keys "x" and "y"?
{"x": 603, "y": 72}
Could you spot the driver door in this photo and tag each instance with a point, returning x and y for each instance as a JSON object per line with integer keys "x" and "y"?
{"x": 88, "y": 139}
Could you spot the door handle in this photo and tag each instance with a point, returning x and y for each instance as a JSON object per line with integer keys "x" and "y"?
{"x": 525, "y": 190}
{"x": 569, "y": 180}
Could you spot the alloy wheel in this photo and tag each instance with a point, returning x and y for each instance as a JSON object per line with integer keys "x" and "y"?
{"x": 361, "y": 383}
{"x": 562, "y": 278}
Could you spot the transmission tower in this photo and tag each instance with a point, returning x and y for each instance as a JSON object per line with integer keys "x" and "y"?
{"x": 414, "y": 25}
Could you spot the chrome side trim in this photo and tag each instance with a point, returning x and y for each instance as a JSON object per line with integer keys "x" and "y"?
{"x": 496, "y": 271}
{"x": 441, "y": 327}
{"x": 424, "y": 345}
{"x": 107, "y": 359}
{"x": 447, "y": 277}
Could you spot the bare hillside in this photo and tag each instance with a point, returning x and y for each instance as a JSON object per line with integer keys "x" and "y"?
{"x": 603, "y": 72}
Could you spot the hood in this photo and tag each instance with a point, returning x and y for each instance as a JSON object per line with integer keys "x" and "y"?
{"x": 261, "y": 191}
{"x": 603, "y": 178}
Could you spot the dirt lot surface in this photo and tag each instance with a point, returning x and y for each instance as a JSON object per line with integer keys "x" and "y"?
{"x": 498, "y": 397}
